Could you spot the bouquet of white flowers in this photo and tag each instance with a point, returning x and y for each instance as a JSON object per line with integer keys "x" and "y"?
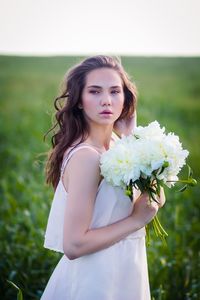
{"x": 146, "y": 160}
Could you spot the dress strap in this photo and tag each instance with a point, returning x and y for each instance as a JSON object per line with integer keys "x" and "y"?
{"x": 71, "y": 152}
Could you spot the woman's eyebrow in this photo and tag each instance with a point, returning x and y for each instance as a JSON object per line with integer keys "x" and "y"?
{"x": 99, "y": 87}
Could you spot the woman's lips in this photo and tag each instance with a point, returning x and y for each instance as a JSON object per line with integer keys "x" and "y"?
{"x": 106, "y": 113}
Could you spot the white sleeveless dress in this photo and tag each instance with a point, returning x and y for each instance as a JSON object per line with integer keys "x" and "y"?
{"x": 118, "y": 272}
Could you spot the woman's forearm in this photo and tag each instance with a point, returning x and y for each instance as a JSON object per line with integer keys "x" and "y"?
{"x": 100, "y": 238}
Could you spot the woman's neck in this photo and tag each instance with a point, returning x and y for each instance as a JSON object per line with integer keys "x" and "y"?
{"x": 100, "y": 138}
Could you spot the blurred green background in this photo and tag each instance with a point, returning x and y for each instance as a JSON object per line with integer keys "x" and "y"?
{"x": 169, "y": 91}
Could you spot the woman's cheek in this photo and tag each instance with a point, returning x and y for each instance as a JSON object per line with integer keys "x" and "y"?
{"x": 87, "y": 103}
{"x": 120, "y": 105}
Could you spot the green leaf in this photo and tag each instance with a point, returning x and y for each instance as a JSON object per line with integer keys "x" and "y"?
{"x": 140, "y": 185}
{"x": 19, "y": 294}
{"x": 190, "y": 172}
{"x": 154, "y": 199}
{"x": 152, "y": 191}
{"x": 183, "y": 188}
{"x": 165, "y": 164}
{"x": 192, "y": 182}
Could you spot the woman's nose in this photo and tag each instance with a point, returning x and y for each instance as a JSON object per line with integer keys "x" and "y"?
{"x": 106, "y": 99}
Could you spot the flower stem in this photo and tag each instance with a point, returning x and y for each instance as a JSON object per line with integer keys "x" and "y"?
{"x": 158, "y": 230}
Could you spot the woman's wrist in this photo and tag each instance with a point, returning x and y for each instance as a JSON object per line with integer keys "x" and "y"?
{"x": 136, "y": 224}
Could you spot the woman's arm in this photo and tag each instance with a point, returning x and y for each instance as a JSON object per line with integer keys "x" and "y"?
{"x": 82, "y": 175}
{"x": 125, "y": 126}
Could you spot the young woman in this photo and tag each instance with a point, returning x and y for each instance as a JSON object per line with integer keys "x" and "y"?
{"x": 99, "y": 230}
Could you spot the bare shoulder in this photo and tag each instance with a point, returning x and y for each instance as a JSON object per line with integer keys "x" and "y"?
{"x": 85, "y": 157}
{"x": 83, "y": 169}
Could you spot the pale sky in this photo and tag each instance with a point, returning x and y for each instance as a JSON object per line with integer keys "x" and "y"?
{"x": 84, "y": 27}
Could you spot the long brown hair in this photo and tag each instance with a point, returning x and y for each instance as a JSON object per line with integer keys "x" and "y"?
{"x": 70, "y": 120}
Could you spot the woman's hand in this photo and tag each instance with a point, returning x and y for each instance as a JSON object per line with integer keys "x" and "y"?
{"x": 125, "y": 126}
{"x": 161, "y": 199}
{"x": 144, "y": 210}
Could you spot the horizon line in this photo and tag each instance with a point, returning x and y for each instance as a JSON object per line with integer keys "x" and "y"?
{"x": 37, "y": 54}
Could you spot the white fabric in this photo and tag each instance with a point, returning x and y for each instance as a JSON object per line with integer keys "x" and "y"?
{"x": 118, "y": 272}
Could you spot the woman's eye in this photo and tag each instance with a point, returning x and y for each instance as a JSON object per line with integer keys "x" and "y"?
{"x": 93, "y": 92}
{"x": 115, "y": 92}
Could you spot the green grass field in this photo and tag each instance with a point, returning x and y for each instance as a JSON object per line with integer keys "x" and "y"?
{"x": 169, "y": 91}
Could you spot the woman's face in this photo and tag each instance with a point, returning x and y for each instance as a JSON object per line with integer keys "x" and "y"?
{"x": 102, "y": 96}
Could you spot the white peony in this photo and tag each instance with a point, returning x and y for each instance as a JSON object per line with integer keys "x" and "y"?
{"x": 153, "y": 130}
{"x": 142, "y": 158}
{"x": 118, "y": 165}
{"x": 142, "y": 155}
